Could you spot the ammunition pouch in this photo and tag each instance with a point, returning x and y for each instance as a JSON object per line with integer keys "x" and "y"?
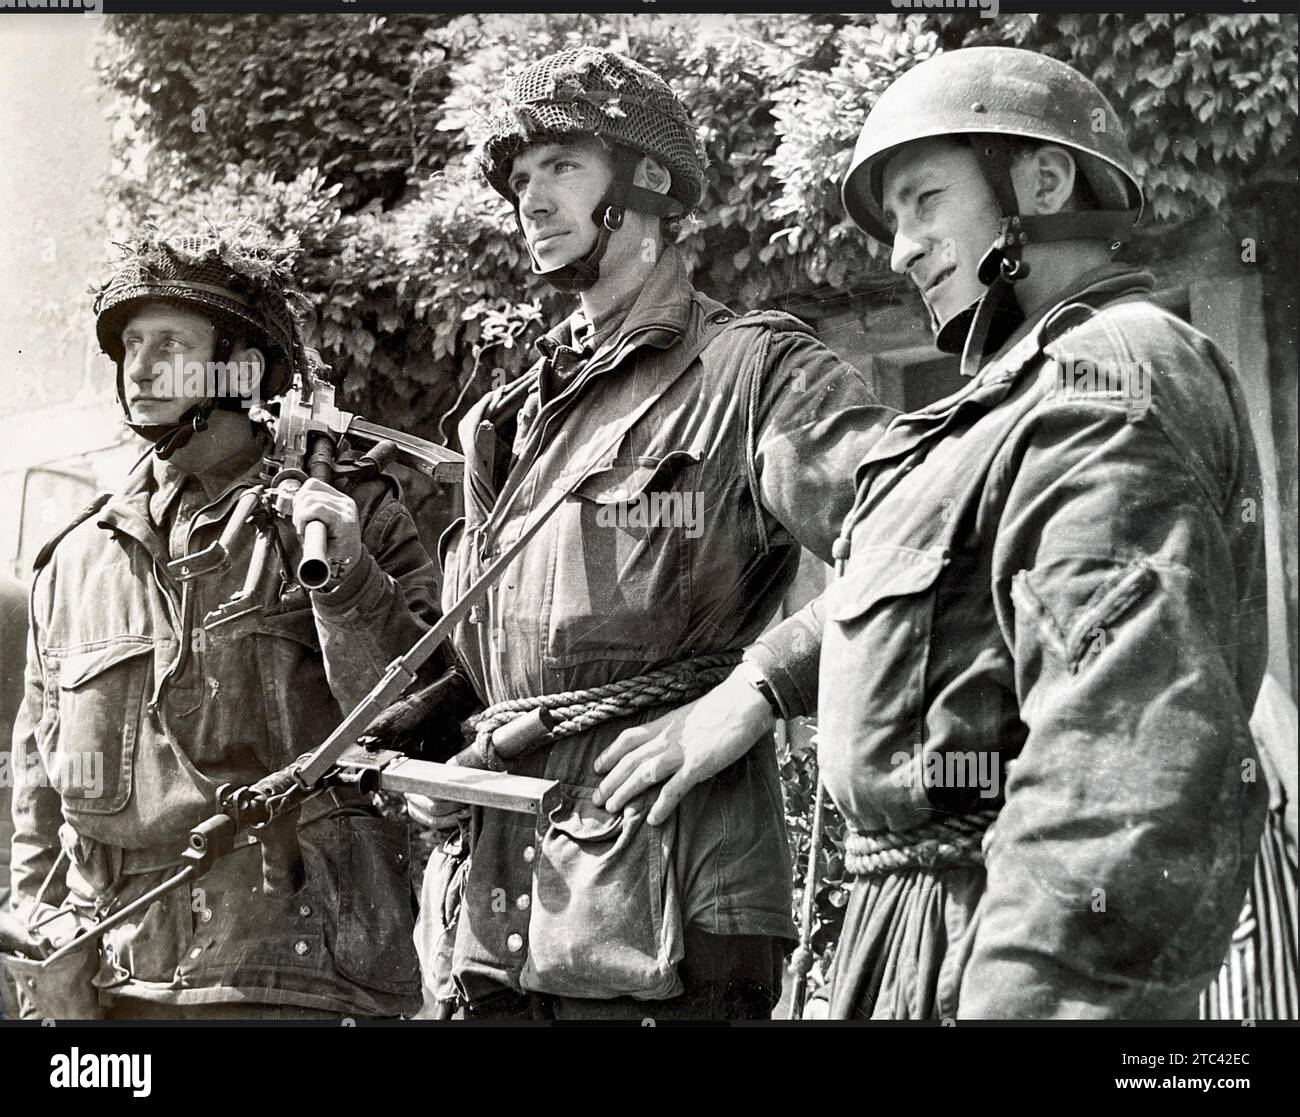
{"x": 62, "y": 991}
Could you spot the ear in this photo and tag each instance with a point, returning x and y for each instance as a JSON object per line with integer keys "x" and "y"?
{"x": 651, "y": 175}
{"x": 247, "y": 367}
{"x": 1044, "y": 180}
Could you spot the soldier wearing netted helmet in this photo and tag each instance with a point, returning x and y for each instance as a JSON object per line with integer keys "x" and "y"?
{"x": 1047, "y": 629}
{"x": 134, "y": 713}
{"x": 706, "y": 447}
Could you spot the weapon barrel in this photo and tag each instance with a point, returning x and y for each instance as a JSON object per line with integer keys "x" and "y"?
{"x": 314, "y": 568}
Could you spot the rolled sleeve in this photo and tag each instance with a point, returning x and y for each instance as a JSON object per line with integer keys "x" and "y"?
{"x": 789, "y": 656}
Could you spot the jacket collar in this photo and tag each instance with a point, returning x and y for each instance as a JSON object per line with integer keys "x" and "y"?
{"x": 152, "y": 487}
{"x": 1093, "y": 289}
{"x": 662, "y": 308}
{"x": 1003, "y": 371}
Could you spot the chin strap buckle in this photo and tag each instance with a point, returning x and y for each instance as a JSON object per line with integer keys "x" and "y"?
{"x": 1002, "y": 260}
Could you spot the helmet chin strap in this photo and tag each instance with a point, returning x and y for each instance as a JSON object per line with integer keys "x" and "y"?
{"x": 167, "y": 438}
{"x": 985, "y": 324}
{"x": 581, "y": 274}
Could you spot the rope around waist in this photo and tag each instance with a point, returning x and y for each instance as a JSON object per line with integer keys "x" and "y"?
{"x": 949, "y": 842}
{"x": 571, "y": 712}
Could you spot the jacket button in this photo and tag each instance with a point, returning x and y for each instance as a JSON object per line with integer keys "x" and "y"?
{"x": 301, "y": 947}
{"x": 515, "y": 943}
{"x": 196, "y": 952}
{"x": 304, "y": 910}
{"x": 529, "y": 854}
{"x": 523, "y": 902}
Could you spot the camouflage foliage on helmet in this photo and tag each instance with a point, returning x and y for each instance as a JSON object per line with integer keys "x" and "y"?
{"x": 588, "y": 92}
{"x": 235, "y": 273}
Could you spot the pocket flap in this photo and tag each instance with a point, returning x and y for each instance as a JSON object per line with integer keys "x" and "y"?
{"x": 83, "y": 666}
{"x": 625, "y": 479}
{"x": 580, "y": 818}
{"x": 879, "y": 573}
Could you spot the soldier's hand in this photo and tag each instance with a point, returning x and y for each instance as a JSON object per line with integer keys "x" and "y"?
{"x": 337, "y": 511}
{"x": 434, "y": 814}
{"x": 684, "y": 748}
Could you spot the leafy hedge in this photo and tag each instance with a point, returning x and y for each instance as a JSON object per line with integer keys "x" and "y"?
{"x": 350, "y": 133}
{"x": 349, "y": 136}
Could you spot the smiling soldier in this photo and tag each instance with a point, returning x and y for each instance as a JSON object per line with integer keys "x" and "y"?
{"x": 1048, "y": 569}
{"x": 119, "y": 668}
{"x": 650, "y": 388}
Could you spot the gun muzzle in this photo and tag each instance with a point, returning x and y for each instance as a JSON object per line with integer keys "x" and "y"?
{"x": 314, "y": 566}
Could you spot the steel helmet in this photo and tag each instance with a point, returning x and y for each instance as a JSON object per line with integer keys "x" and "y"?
{"x": 586, "y": 92}
{"x": 1000, "y": 95}
{"x": 233, "y": 274}
{"x": 999, "y": 91}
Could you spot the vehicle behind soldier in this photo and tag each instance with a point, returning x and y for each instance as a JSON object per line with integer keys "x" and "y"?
{"x": 706, "y": 448}
{"x": 1047, "y": 632}
{"x": 124, "y": 684}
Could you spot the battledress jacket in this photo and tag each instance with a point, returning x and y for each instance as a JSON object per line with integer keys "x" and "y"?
{"x": 1055, "y": 577}
{"x": 680, "y": 542}
{"x": 120, "y": 671}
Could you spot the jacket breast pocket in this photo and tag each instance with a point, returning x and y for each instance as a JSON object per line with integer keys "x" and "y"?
{"x": 875, "y": 654}
{"x": 621, "y": 581}
{"x": 605, "y": 918}
{"x": 90, "y": 756}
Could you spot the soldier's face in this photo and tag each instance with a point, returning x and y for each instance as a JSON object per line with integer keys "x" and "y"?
{"x": 558, "y": 186}
{"x": 944, "y": 218}
{"x": 157, "y": 341}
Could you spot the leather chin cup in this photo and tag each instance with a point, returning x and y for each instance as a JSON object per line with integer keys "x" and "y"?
{"x": 1003, "y": 315}
{"x": 170, "y": 437}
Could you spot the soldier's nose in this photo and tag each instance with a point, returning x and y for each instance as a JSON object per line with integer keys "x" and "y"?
{"x": 905, "y": 253}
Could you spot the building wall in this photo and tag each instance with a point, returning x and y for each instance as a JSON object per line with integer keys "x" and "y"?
{"x": 57, "y": 410}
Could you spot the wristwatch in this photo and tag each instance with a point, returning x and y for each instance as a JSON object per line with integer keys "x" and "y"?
{"x": 754, "y": 677}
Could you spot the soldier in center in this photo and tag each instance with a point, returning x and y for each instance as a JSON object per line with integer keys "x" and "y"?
{"x": 711, "y": 447}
